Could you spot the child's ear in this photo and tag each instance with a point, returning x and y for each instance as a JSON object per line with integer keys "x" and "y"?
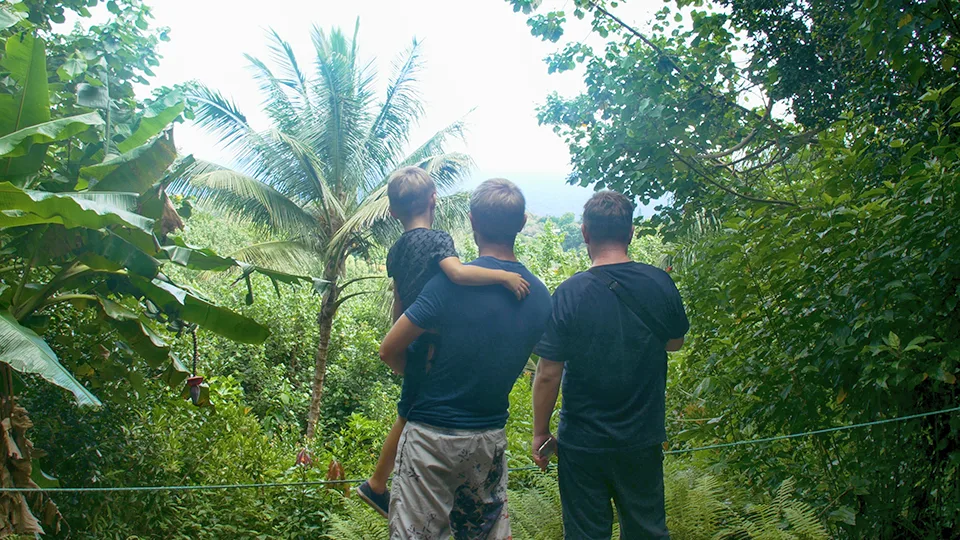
{"x": 433, "y": 199}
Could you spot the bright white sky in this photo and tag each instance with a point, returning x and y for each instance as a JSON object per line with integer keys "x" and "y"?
{"x": 478, "y": 54}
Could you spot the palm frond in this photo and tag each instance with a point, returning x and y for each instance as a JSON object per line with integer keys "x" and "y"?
{"x": 447, "y": 170}
{"x": 283, "y": 255}
{"x": 276, "y": 100}
{"x": 218, "y": 115}
{"x": 319, "y": 192}
{"x": 453, "y": 212}
{"x": 229, "y": 191}
{"x": 374, "y": 208}
{"x": 399, "y": 111}
{"x": 283, "y": 56}
{"x": 435, "y": 144}
{"x": 345, "y": 91}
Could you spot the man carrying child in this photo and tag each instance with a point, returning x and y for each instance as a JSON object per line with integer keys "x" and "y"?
{"x": 451, "y": 475}
{"x": 420, "y": 254}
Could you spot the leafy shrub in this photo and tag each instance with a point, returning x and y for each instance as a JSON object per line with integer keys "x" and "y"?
{"x": 699, "y": 507}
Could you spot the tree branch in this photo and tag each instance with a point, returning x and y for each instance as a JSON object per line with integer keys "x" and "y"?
{"x": 673, "y": 64}
{"x": 67, "y": 298}
{"x": 349, "y": 282}
{"x": 746, "y": 140}
{"x": 343, "y": 299}
{"x": 726, "y": 189}
{"x": 33, "y": 303}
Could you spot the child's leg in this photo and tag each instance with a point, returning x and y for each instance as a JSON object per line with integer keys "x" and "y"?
{"x": 388, "y": 455}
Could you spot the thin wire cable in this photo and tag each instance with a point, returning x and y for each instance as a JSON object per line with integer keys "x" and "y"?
{"x": 810, "y": 433}
{"x": 513, "y": 469}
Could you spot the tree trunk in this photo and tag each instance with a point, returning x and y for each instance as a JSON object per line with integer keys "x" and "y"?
{"x": 328, "y": 310}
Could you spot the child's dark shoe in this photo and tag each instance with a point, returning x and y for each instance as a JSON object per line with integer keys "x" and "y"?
{"x": 378, "y": 501}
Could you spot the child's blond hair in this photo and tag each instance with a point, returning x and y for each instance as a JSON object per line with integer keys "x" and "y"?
{"x": 409, "y": 190}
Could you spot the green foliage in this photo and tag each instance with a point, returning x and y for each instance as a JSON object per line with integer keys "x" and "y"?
{"x": 358, "y": 522}
{"x": 82, "y": 234}
{"x": 565, "y": 224}
{"x": 699, "y": 507}
{"x": 702, "y": 506}
{"x": 166, "y": 441}
{"x": 260, "y": 393}
{"x": 855, "y": 322}
{"x": 317, "y": 178}
{"x": 25, "y": 352}
{"x": 812, "y": 235}
{"x": 535, "y": 512}
{"x": 546, "y": 258}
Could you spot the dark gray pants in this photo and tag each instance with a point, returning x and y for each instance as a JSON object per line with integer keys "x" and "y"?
{"x": 632, "y": 480}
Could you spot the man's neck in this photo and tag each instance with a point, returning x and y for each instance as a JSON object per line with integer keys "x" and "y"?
{"x": 608, "y": 254}
{"x": 418, "y": 222}
{"x": 497, "y": 251}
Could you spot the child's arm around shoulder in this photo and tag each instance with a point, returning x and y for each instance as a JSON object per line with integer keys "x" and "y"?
{"x": 468, "y": 275}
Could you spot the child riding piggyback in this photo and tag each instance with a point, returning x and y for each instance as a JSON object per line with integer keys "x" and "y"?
{"x": 419, "y": 255}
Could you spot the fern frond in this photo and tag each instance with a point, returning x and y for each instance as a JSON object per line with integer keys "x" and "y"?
{"x": 358, "y": 522}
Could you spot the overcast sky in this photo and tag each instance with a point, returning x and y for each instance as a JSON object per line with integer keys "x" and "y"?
{"x": 478, "y": 54}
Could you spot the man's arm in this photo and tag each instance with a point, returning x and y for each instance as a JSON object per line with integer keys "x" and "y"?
{"x": 397, "y": 304}
{"x": 546, "y": 388}
{"x": 468, "y": 275}
{"x": 674, "y": 345}
{"x": 393, "y": 350}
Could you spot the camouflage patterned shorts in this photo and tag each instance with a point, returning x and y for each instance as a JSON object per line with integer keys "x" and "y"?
{"x": 450, "y": 484}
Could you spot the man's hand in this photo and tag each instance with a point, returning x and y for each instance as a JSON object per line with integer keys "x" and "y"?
{"x": 517, "y": 285}
{"x": 538, "y": 441}
{"x": 546, "y": 388}
{"x": 393, "y": 350}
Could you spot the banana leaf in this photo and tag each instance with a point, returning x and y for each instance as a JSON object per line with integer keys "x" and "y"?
{"x": 19, "y": 142}
{"x": 26, "y": 62}
{"x": 175, "y": 373}
{"x": 205, "y": 259}
{"x": 19, "y": 207}
{"x": 9, "y": 18}
{"x": 107, "y": 251}
{"x": 139, "y": 336}
{"x": 26, "y": 352}
{"x": 182, "y": 304}
{"x": 135, "y": 170}
{"x": 151, "y": 125}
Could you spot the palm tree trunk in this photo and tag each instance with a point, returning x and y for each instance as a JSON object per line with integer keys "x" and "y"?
{"x": 328, "y": 310}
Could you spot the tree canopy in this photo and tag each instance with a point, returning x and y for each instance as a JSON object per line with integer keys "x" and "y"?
{"x": 318, "y": 176}
{"x": 808, "y": 152}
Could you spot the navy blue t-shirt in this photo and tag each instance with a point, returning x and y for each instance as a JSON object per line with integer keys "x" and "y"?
{"x": 615, "y": 368}
{"x": 487, "y": 336}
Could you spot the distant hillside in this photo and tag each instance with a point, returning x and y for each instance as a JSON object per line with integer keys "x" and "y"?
{"x": 547, "y": 194}
{"x": 566, "y": 224}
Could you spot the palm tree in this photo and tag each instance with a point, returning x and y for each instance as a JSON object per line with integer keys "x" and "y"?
{"x": 317, "y": 177}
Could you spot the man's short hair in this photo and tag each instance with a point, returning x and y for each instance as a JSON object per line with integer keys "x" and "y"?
{"x": 608, "y": 217}
{"x": 409, "y": 190}
{"x": 498, "y": 209}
